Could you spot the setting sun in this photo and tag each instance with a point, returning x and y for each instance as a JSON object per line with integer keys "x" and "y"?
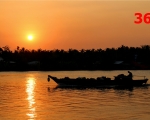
{"x": 30, "y": 37}
{"x": 50, "y": 24}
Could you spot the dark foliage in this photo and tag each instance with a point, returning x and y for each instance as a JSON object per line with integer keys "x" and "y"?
{"x": 123, "y": 57}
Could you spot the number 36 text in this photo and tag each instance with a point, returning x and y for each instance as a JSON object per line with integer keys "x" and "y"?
{"x": 142, "y": 18}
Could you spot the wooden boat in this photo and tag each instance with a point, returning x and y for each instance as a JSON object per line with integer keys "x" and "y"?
{"x": 119, "y": 80}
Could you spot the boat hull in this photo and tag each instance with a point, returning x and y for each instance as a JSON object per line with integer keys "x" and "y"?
{"x": 96, "y": 83}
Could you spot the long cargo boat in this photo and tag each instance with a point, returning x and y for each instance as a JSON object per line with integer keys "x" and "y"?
{"x": 120, "y": 80}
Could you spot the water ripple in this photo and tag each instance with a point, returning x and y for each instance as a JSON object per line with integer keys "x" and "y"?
{"x": 27, "y": 95}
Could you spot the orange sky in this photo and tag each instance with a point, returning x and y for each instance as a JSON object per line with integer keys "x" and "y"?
{"x": 72, "y": 24}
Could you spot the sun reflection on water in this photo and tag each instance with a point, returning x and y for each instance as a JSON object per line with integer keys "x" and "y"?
{"x": 30, "y": 86}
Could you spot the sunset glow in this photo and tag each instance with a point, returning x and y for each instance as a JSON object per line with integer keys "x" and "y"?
{"x": 30, "y": 85}
{"x": 30, "y": 37}
{"x": 72, "y": 24}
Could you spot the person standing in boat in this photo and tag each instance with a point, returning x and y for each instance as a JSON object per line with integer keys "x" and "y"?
{"x": 130, "y": 76}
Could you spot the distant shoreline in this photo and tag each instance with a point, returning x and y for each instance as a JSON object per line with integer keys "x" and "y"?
{"x": 121, "y": 58}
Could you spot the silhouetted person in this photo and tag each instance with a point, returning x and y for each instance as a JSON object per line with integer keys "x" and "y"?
{"x": 130, "y": 75}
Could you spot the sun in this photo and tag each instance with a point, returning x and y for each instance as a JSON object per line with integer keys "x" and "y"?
{"x": 30, "y": 37}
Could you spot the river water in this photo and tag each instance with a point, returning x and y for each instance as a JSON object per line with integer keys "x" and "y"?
{"x": 28, "y": 96}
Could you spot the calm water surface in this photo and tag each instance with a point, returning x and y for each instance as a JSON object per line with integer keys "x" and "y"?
{"x": 28, "y": 96}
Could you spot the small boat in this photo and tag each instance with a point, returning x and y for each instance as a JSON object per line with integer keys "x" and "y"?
{"x": 120, "y": 80}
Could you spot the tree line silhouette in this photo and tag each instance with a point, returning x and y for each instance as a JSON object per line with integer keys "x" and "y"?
{"x": 123, "y": 57}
